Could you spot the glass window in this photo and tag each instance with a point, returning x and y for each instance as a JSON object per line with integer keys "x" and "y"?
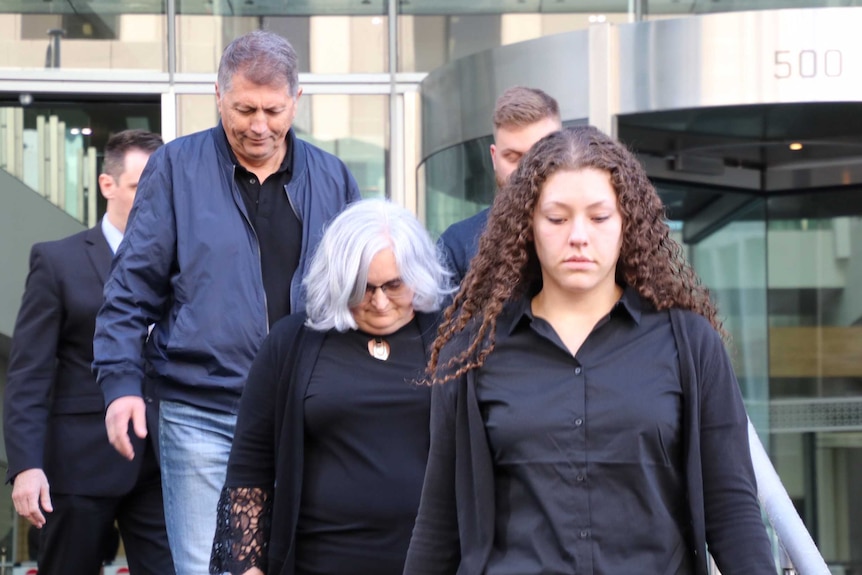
{"x": 196, "y": 112}
{"x": 106, "y": 38}
{"x": 353, "y": 127}
{"x": 815, "y": 311}
{"x": 428, "y": 41}
{"x": 54, "y": 145}
{"x": 457, "y": 182}
{"x": 784, "y": 272}
{"x": 324, "y": 44}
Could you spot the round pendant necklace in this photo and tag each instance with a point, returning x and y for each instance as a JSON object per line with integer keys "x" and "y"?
{"x": 378, "y": 348}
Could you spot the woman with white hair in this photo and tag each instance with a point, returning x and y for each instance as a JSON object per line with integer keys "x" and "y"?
{"x": 327, "y": 464}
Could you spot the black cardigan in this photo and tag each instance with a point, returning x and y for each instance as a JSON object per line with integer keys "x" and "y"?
{"x": 269, "y": 439}
{"x": 454, "y": 530}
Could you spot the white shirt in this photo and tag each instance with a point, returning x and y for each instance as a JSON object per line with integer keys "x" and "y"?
{"x": 112, "y": 235}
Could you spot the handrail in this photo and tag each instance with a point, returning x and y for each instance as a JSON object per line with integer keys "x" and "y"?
{"x": 799, "y": 553}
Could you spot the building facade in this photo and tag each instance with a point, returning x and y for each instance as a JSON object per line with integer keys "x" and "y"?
{"x": 743, "y": 113}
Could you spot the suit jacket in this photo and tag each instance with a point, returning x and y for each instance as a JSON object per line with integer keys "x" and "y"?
{"x": 54, "y": 412}
{"x": 460, "y": 242}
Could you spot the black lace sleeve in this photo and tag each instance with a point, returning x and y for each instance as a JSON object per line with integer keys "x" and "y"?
{"x": 242, "y": 530}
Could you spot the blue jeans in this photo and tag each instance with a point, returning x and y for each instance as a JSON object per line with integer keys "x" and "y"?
{"x": 194, "y": 444}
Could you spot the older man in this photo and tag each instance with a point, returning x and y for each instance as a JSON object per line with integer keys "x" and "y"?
{"x": 220, "y": 236}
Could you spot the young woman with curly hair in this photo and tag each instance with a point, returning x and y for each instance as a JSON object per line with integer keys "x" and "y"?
{"x": 585, "y": 416}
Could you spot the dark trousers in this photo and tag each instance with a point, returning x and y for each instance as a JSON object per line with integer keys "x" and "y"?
{"x": 78, "y": 534}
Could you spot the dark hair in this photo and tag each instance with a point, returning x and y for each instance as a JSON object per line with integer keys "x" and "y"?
{"x": 263, "y": 57}
{"x": 520, "y": 106}
{"x": 121, "y": 143}
{"x": 506, "y": 265}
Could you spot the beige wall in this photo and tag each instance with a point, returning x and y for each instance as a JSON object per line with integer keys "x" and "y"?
{"x": 140, "y": 44}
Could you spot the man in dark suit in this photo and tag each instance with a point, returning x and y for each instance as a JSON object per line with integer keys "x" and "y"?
{"x": 68, "y": 480}
{"x": 522, "y": 117}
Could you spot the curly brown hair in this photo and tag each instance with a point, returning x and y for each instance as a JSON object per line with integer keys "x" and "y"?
{"x": 506, "y": 265}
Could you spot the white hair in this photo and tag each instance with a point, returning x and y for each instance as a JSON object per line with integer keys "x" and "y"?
{"x": 337, "y": 277}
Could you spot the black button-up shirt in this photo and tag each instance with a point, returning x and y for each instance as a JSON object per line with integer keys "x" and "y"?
{"x": 587, "y": 449}
{"x": 278, "y": 229}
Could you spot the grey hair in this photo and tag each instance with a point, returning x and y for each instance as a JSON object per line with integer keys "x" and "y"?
{"x": 338, "y": 273}
{"x": 263, "y": 57}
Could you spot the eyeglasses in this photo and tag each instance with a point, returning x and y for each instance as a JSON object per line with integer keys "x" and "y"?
{"x": 393, "y": 289}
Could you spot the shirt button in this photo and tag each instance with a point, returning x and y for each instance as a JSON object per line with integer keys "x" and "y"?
{"x": 581, "y": 477}
{"x": 252, "y": 181}
{"x": 577, "y": 371}
{"x": 584, "y": 534}
{"x": 578, "y": 422}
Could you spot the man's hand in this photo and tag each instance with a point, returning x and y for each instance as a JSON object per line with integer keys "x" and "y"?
{"x": 29, "y": 492}
{"x": 129, "y": 408}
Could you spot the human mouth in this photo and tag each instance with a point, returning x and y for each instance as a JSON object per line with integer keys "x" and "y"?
{"x": 578, "y": 263}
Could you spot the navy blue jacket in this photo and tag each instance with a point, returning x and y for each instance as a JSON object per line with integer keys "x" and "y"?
{"x": 460, "y": 242}
{"x": 190, "y": 264}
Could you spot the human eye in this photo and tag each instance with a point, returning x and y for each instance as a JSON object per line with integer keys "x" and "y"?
{"x": 601, "y": 218}
{"x": 393, "y": 286}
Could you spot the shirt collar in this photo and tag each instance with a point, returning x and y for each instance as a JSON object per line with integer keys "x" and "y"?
{"x": 630, "y": 303}
{"x": 112, "y": 235}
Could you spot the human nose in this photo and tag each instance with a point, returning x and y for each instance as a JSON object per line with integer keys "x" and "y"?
{"x": 578, "y": 232}
{"x": 258, "y": 123}
{"x": 379, "y": 299}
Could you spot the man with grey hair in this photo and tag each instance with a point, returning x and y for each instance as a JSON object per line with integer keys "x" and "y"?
{"x": 222, "y": 231}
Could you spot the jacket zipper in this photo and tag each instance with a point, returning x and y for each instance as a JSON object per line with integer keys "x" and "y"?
{"x": 257, "y": 241}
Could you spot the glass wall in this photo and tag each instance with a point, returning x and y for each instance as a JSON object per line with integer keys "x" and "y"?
{"x": 113, "y": 38}
{"x": 732, "y": 263}
{"x": 353, "y": 127}
{"x": 456, "y": 183}
{"x": 324, "y": 44}
{"x": 784, "y": 272}
{"x": 111, "y": 35}
{"x": 426, "y": 42}
{"x": 54, "y": 145}
{"x": 815, "y": 330}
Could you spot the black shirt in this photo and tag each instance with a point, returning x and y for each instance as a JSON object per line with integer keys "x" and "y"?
{"x": 278, "y": 229}
{"x": 587, "y": 449}
{"x": 366, "y": 445}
